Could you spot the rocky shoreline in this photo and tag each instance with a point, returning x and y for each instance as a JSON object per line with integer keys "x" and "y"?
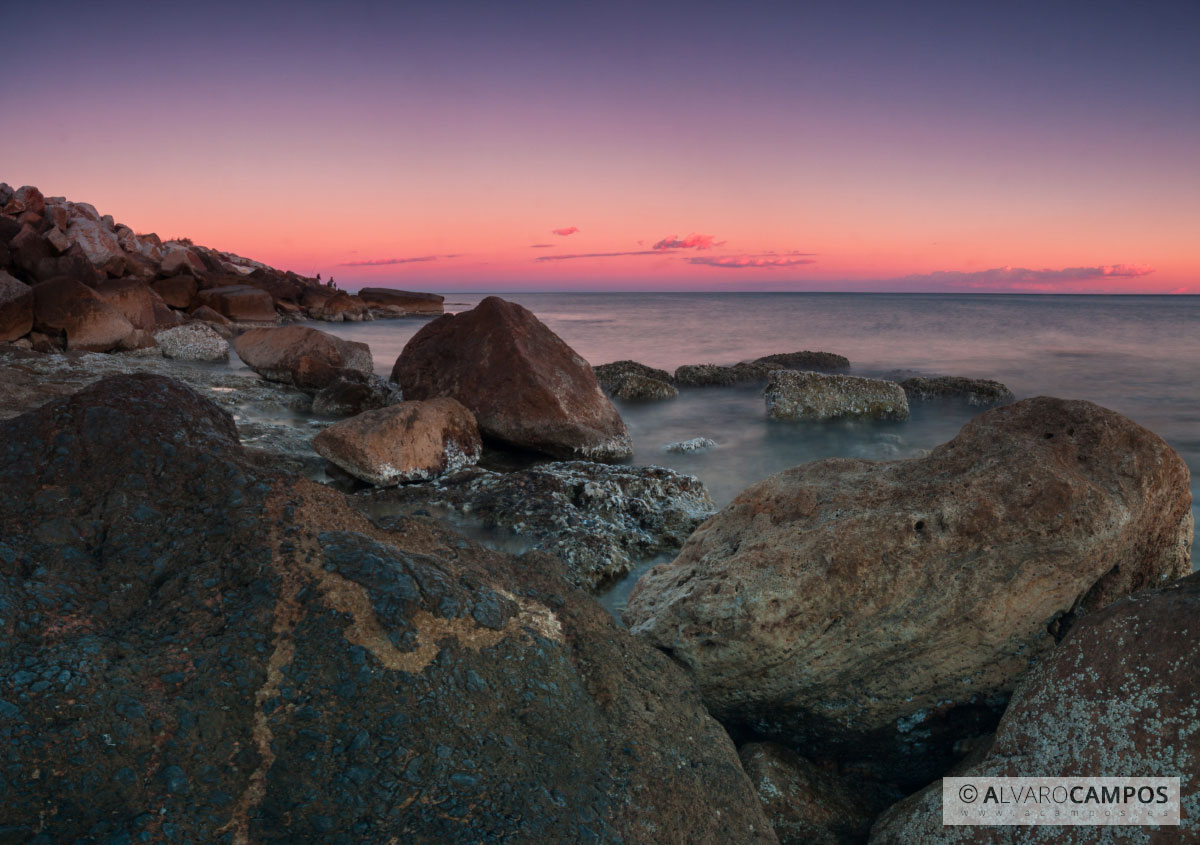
{"x": 201, "y": 641}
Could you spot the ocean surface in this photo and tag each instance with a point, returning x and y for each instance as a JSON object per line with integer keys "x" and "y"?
{"x": 1139, "y": 355}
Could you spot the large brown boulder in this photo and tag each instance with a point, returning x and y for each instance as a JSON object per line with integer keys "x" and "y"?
{"x": 67, "y": 307}
{"x": 290, "y": 353}
{"x": 16, "y": 308}
{"x": 293, "y": 673}
{"x": 133, "y": 298}
{"x": 526, "y": 387}
{"x": 25, "y": 199}
{"x": 409, "y": 302}
{"x": 240, "y": 303}
{"x": 880, "y": 611}
{"x": 177, "y": 291}
{"x": 409, "y": 441}
{"x": 1116, "y": 699}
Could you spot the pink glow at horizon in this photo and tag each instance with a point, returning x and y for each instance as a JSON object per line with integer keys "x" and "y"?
{"x": 428, "y": 151}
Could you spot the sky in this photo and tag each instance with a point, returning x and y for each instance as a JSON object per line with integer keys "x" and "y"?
{"x": 916, "y": 146}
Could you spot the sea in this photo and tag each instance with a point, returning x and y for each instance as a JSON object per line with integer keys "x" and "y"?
{"x": 1139, "y": 355}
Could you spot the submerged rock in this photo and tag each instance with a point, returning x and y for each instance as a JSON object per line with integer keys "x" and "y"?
{"x": 608, "y": 375}
{"x": 635, "y": 388}
{"x": 793, "y": 395}
{"x": 292, "y": 673}
{"x": 195, "y": 341}
{"x": 295, "y": 354}
{"x": 687, "y": 447}
{"x": 806, "y": 360}
{"x": 920, "y": 590}
{"x": 716, "y": 375}
{"x": 526, "y": 387}
{"x": 1116, "y": 699}
{"x": 807, "y": 804}
{"x": 974, "y": 391}
{"x": 411, "y": 441}
{"x": 598, "y": 519}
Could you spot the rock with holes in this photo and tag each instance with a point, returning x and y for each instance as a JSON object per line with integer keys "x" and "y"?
{"x": 1118, "y": 696}
{"x": 194, "y": 648}
{"x": 600, "y": 520}
{"x": 526, "y": 387}
{"x": 409, "y": 441}
{"x": 793, "y": 395}
{"x": 880, "y": 612}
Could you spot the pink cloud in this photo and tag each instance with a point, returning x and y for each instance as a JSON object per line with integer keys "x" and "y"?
{"x": 569, "y": 230}
{"x": 381, "y": 262}
{"x": 540, "y": 246}
{"x": 595, "y": 255}
{"x": 690, "y": 242}
{"x": 740, "y": 261}
{"x": 1022, "y": 278}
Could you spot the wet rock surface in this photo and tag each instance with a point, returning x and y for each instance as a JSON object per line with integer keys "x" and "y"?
{"x": 973, "y": 391}
{"x": 716, "y": 375}
{"x": 687, "y": 447}
{"x": 409, "y": 441}
{"x": 198, "y": 649}
{"x": 1117, "y": 697}
{"x": 635, "y": 388}
{"x": 794, "y": 395}
{"x": 880, "y": 612}
{"x": 598, "y": 519}
{"x": 352, "y": 393}
{"x": 525, "y": 386}
{"x": 806, "y": 360}
{"x": 608, "y": 375}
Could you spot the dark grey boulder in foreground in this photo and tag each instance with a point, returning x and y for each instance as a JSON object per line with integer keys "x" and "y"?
{"x": 195, "y": 649}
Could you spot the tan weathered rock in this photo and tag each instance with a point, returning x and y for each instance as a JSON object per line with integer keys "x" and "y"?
{"x": 526, "y": 387}
{"x": 1117, "y": 699}
{"x": 801, "y": 395}
{"x": 66, "y": 307}
{"x": 286, "y": 354}
{"x": 25, "y": 199}
{"x": 409, "y": 441}
{"x": 881, "y": 611}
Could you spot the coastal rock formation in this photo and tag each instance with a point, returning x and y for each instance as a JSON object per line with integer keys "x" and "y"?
{"x": 352, "y": 393}
{"x": 410, "y": 441}
{"x": 294, "y": 354}
{"x": 881, "y": 611}
{"x": 240, "y": 303}
{"x": 177, "y": 291}
{"x": 635, "y": 388}
{"x": 526, "y": 387}
{"x": 1118, "y": 696}
{"x": 608, "y": 375}
{"x": 806, "y": 360}
{"x": 192, "y": 342}
{"x": 70, "y": 309}
{"x": 293, "y": 673}
{"x": 974, "y": 391}
{"x": 715, "y": 375}
{"x": 793, "y": 395}
{"x": 598, "y": 519}
{"x": 133, "y": 298}
{"x": 403, "y": 301}
{"x": 688, "y": 447}
{"x": 16, "y": 308}
{"x": 807, "y": 804}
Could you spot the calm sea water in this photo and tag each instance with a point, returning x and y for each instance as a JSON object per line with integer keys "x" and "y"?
{"x": 1139, "y": 355}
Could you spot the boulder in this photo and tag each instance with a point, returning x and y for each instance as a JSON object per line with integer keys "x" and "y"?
{"x": 292, "y": 354}
{"x": 974, "y": 391}
{"x": 164, "y": 317}
{"x": 409, "y": 302}
{"x": 688, "y": 447}
{"x": 600, "y": 520}
{"x": 635, "y": 388}
{"x": 609, "y": 374}
{"x": 58, "y": 239}
{"x": 879, "y": 612}
{"x": 73, "y": 264}
{"x": 245, "y": 654}
{"x": 526, "y": 387}
{"x": 66, "y": 307}
{"x": 178, "y": 260}
{"x": 793, "y": 395}
{"x": 196, "y": 341}
{"x": 353, "y": 393}
{"x": 807, "y": 804}
{"x": 208, "y": 315}
{"x": 98, "y": 243}
{"x": 16, "y": 308}
{"x": 25, "y": 199}
{"x": 1117, "y": 699}
{"x": 240, "y": 303}
{"x": 806, "y": 360}
{"x": 177, "y": 291}
{"x": 133, "y": 298}
{"x": 715, "y": 375}
{"x": 410, "y": 441}
{"x": 27, "y": 248}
